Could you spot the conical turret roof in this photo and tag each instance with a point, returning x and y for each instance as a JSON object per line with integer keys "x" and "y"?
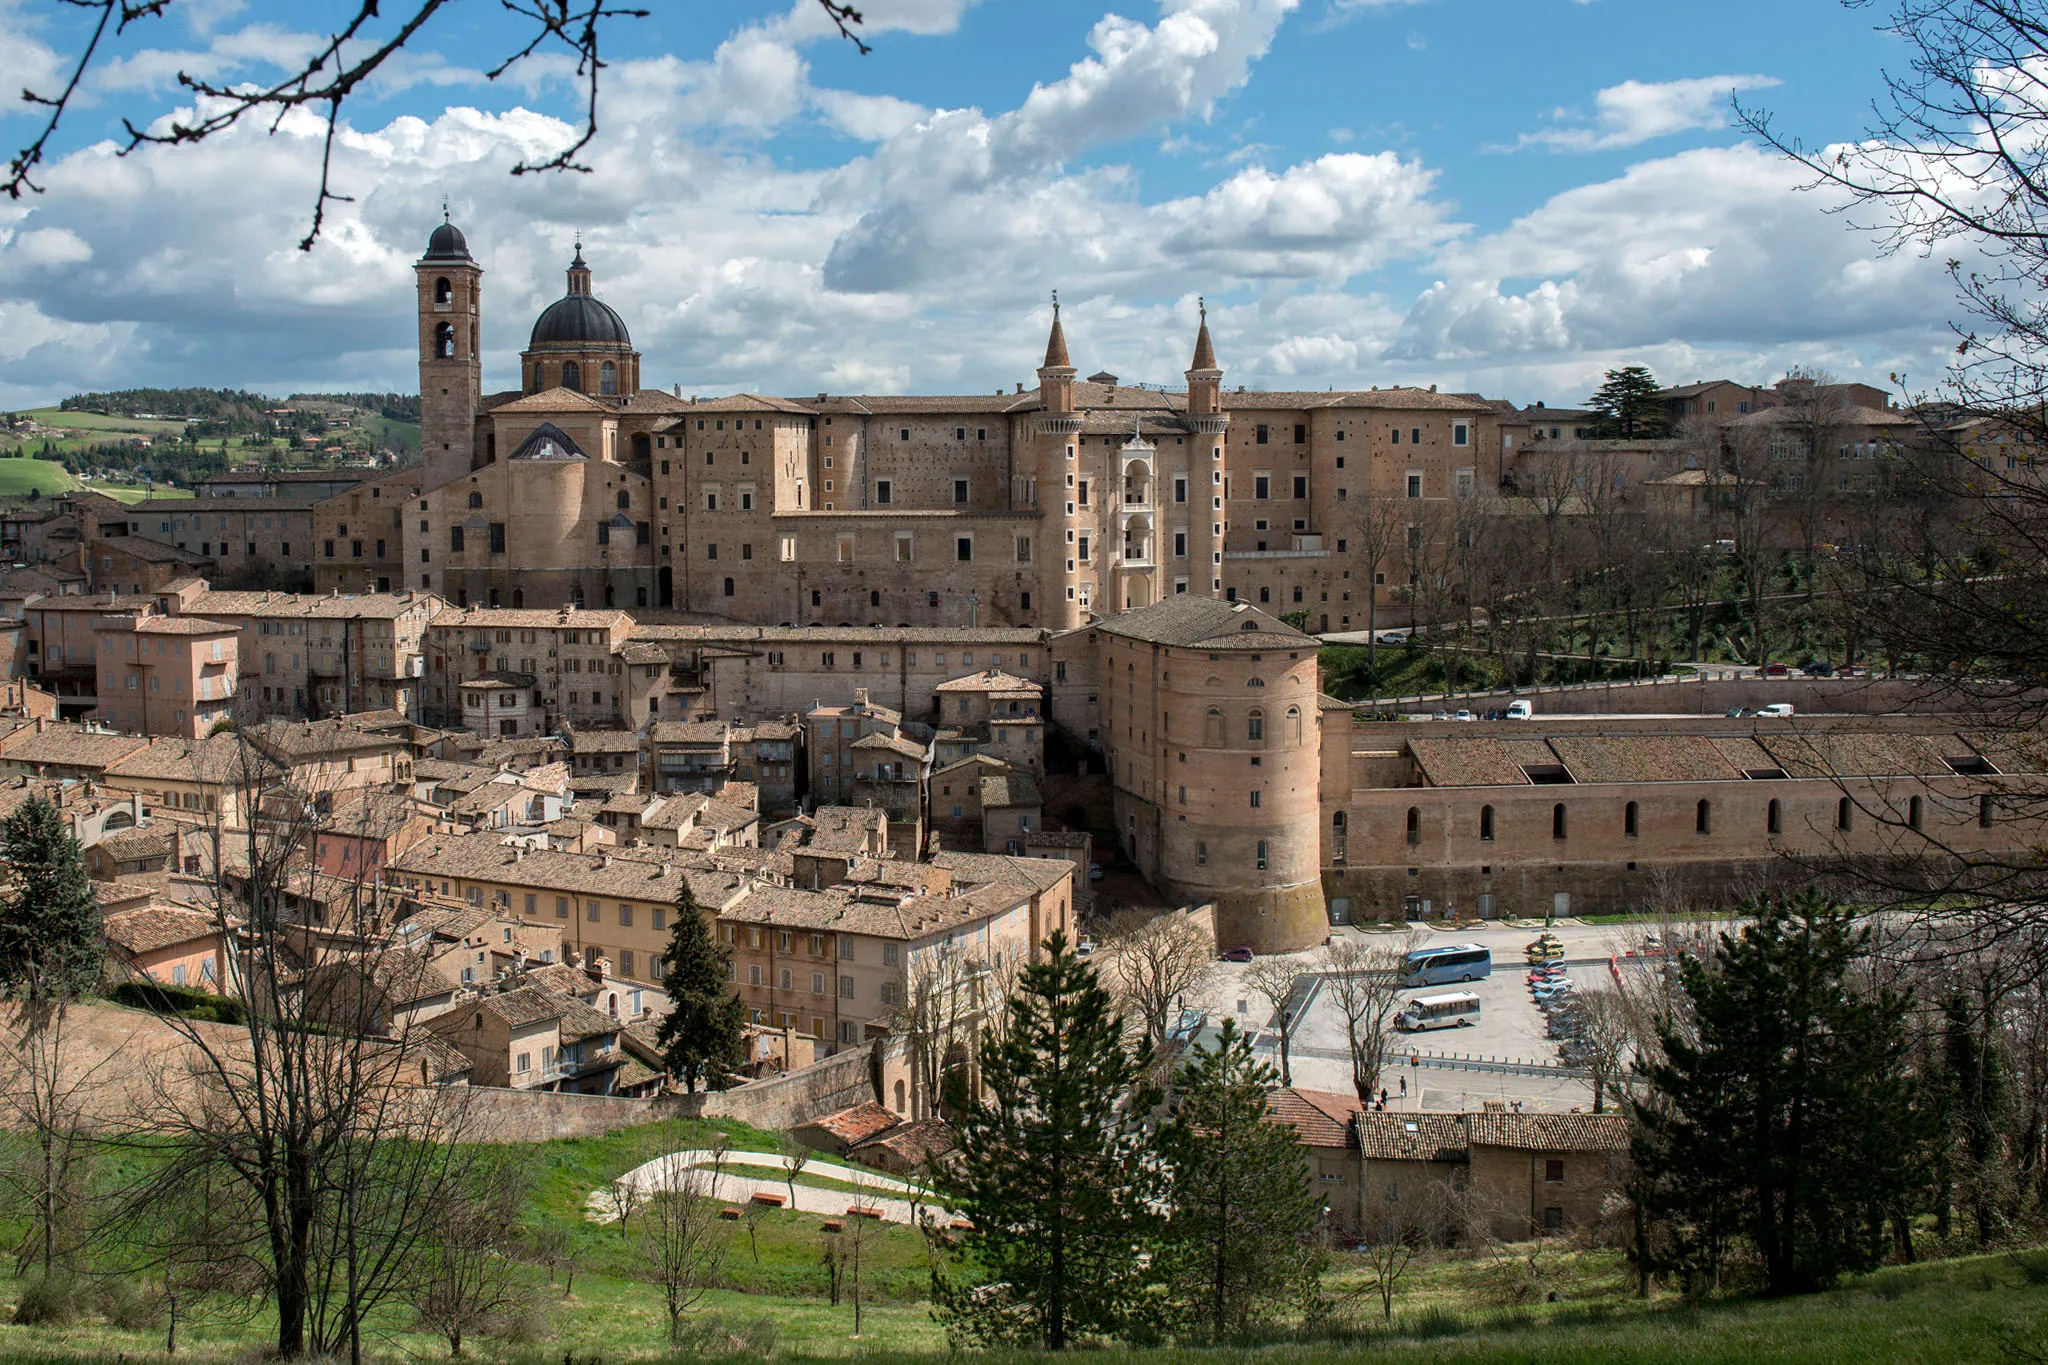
{"x": 1056, "y": 344}
{"x": 1205, "y": 350}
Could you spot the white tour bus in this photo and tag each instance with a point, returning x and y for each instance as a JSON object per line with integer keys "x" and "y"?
{"x": 1459, "y": 1009}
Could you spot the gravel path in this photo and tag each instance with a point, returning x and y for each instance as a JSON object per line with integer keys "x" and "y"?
{"x": 882, "y": 1191}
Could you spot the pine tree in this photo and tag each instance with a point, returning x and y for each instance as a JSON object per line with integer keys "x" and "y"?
{"x": 1239, "y": 1241}
{"x": 700, "y": 1036}
{"x": 1628, "y": 406}
{"x": 1789, "y": 1119}
{"x": 1052, "y": 1172}
{"x": 50, "y": 938}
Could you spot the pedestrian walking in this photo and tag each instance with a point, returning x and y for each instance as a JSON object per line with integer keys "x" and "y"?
{"x": 1404, "y": 1085}
{"x": 1383, "y": 1097}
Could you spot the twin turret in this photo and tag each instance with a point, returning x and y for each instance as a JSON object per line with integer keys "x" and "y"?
{"x": 1056, "y": 377}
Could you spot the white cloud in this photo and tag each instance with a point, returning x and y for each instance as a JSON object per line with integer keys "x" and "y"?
{"x": 1637, "y": 111}
{"x": 1708, "y": 251}
{"x": 922, "y": 261}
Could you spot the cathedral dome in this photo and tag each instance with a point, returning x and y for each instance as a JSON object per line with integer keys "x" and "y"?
{"x": 579, "y": 320}
{"x": 447, "y": 244}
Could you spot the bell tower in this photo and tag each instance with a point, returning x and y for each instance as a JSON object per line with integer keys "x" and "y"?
{"x": 451, "y": 374}
{"x": 1207, "y": 424}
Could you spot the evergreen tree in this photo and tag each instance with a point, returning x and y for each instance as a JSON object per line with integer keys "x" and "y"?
{"x": 1787, "y": 1118}
{"x": 700, "y": 1036}
{"x": 1052, "y": 1171}
{"x": 1628, "y": 406}
{"x": 50, "y": 938}
{"x": 1239, "y": 1242}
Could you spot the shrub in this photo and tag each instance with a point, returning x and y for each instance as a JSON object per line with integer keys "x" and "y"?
{"x": 188, "y": 1001}
{"x": 46, "y": 1301}
{"x": 126, "y": 1305}
{"x": 1434, "y": 1323}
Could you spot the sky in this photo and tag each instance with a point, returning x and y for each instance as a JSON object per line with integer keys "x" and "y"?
{"x": 1508, "y": 196}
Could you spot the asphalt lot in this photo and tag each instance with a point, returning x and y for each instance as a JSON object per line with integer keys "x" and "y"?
{"x": 1510, "y": 1027}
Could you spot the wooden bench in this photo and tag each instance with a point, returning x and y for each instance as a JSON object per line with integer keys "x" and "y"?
{"x": 863, "y": 1211}
{"x": 729, "y": 1212}
{"x": 773, "y": 1201}
{"x": 833, "y": 1225}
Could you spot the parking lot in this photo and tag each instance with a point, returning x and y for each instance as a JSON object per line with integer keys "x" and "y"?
{"x": 1510, "y": 1026}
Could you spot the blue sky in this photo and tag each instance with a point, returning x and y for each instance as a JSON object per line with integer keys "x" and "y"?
{"x": 1507, "y": 195}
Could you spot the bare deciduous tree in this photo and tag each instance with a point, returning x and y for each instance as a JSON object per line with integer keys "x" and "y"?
{"x": 1279, "y": 979}
{"x": 1151, "y": 962}
{"x": 682, "y": 1238}
{"x": 48, "y": 1085}
{"x": 1364, "y": 982}
{"x": 468, "y": 1278}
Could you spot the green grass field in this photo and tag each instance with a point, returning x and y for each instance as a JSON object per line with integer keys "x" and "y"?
{"x": 1547, "y": 1304}
{"x": 20, "y": 476}
{"x": 102, "y": 424}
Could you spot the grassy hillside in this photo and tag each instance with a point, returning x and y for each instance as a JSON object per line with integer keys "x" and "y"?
{"x": 20, "y": 476}
{"x": 1546, "y": 1305}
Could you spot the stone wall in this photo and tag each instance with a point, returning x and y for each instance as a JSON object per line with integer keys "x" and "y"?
{"x": 1710, "y": 695}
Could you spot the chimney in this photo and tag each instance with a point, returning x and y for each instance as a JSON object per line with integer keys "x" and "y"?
{"x": 39, "y": 724}
{"x": 679, "y": 390}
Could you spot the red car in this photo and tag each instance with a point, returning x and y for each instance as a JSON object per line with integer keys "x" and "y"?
{"x": 1774, "y": 671}
{"x": 1241, "y": 953}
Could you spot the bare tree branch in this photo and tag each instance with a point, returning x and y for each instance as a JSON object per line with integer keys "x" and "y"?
{"x": 358, "y": 46}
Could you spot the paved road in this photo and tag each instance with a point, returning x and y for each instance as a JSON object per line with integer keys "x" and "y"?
{"x": 602, "y": 1206}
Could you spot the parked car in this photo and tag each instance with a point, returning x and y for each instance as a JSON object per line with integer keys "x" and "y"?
{"x": 1085, "y": 948}
{"x": 1774, "y": 671}
{"x": 1738, "y": 712}
{"x": 1095, "y": 872}
{"x": 1464, "y": 715}
{"x": 1241, "y": 953}
{"x": 1819, "y": 668}
{"x": 1778, "y": 709}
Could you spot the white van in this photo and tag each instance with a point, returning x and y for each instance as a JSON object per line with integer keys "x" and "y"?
{"x": 1521, "y": 710}
{"x": 1459, "y": 1009}
{"x": 1776, "y": 708}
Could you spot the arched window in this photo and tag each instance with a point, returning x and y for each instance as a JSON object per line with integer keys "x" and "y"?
{"x": 1255, "y": 726}
{"x": 611, "y": 595}
{"x": 1256, "y": 682}
{"x": 728, "y": 587}
{"x": 1557, "y": 821}
{"x": 625, "y": 500}
{"x": 1337, "y": 820}
{"x": 1262, "y": 855}
{"x": 1294, "y": 725}
{"x": 444, "y": 292}
{"x": 1201, "y": 854}
{"x": 1486, "y": 823}
{"x": 1987, "y": 810}
{"x": 607, "y": 378}
{"x": 1773, "y": 819}
{"x": 1414, "y": 825}
{"x": 1212, "y": 728}
{"x": 1913, "y": 812}
{"x": 1703, "y": 818}
{"x": 1628, "y": 821}
{"x": 572, "y": 376}
{"x": 518, "y": 597}
{"x": 444, "y": 341}
{"x": 476, "y": 500}
{"x": 1842, "y": 817}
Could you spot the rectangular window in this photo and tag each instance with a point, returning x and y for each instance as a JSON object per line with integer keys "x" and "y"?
{"x": 846, "y": 988}
{"x": 1260, "y": 434}
{"x": 1461, "y": 434}
{"x": 903, "y": 544}
{"x": 1180, "y": 488}
{"x": 787, "y": 549}
{"x": 1301, "y": 485}
{"x": 1023, "y": 549}
{"x": 1414, "y": 483}
{"x": 959, "y": 492}
{"x": 963, "y": 549}
{"x": 1262, "y": 486}
{"x": 883, "y": 492}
